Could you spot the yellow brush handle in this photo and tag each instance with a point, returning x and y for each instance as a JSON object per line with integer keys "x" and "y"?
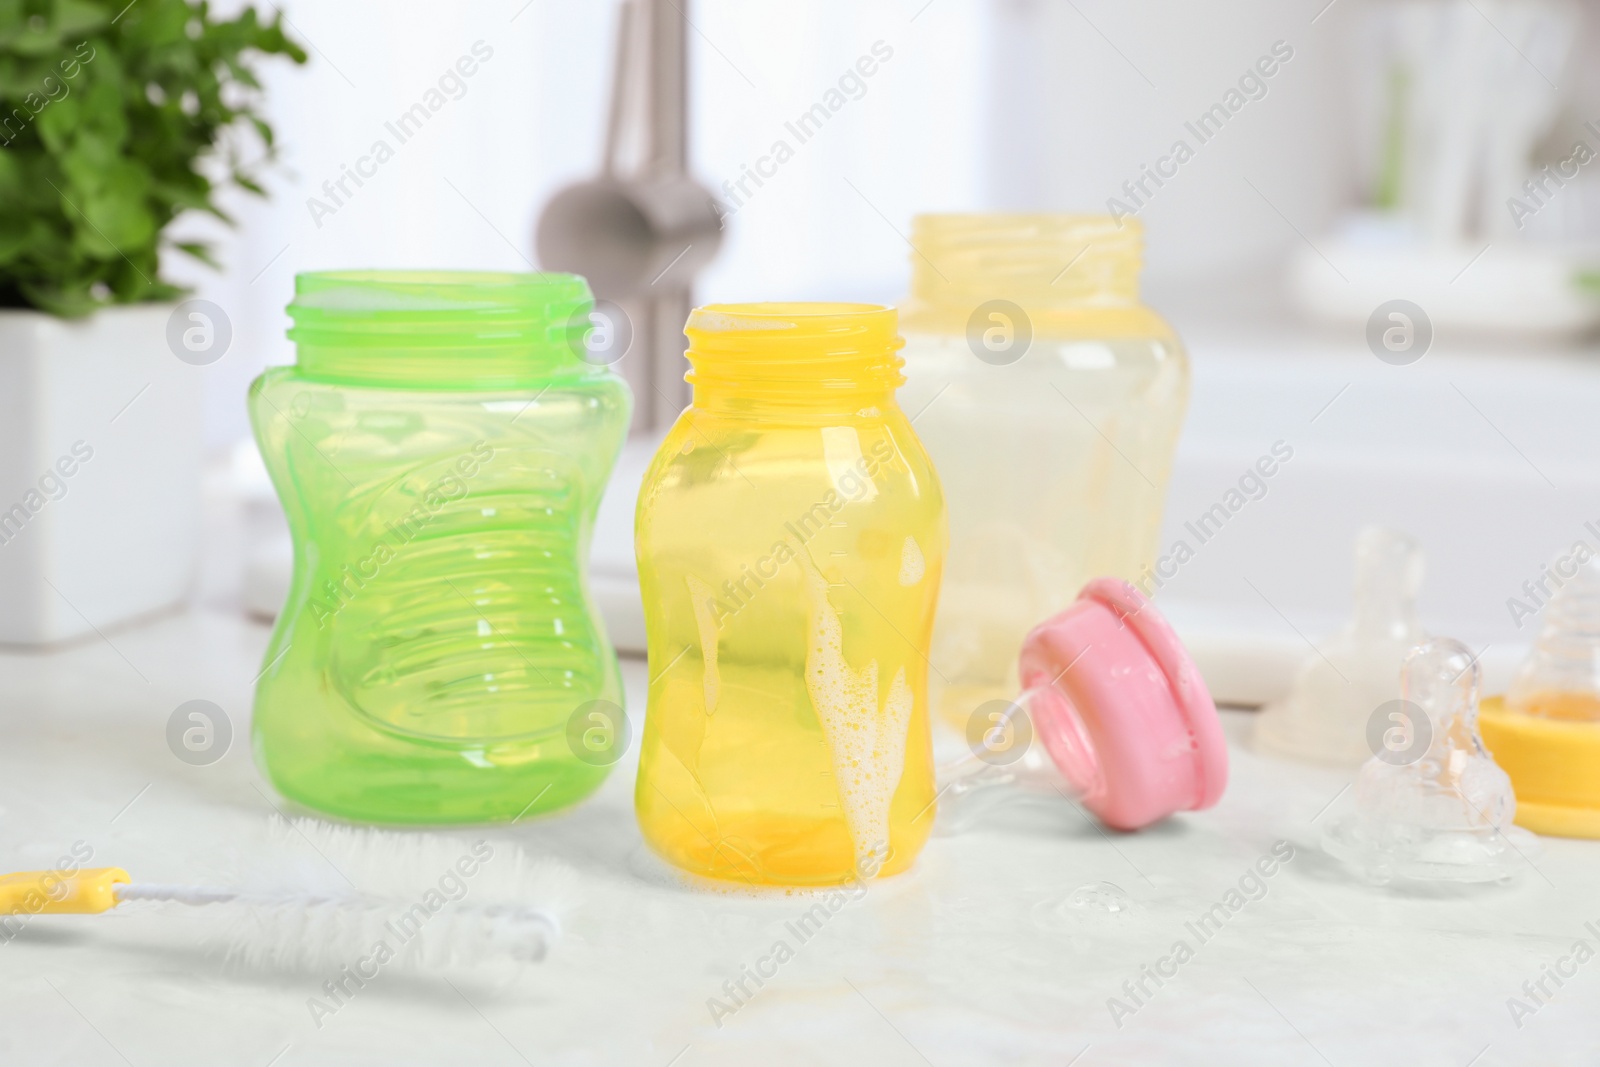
{"x": 86, "y": 892}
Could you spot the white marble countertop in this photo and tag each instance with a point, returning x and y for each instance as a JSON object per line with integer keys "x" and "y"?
{"x": 973, "y": 957}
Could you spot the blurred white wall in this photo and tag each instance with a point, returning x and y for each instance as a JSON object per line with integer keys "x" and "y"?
{"x": 983, "y": 103}
{"x": 1085, "y": 94}
{"x": 460, "y": 193}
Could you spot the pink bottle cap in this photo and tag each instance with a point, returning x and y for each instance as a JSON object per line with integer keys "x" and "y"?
{"x": 1122, "y": 709}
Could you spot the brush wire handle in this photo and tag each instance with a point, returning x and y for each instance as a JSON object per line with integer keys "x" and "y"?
{"x": 86, "y": 892}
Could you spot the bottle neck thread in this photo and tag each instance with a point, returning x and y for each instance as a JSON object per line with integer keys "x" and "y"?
{"x": 1052, "y": 266}
{"x": 1561, "y": 676}
{"x": 440, "y": 329}
{"x": 822, "y": 355}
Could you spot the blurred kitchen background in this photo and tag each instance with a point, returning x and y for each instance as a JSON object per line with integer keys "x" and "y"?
{"x": 1375, "y": 163}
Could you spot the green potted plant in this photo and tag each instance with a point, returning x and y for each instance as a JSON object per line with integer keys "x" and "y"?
{"x": 115, "y": 118}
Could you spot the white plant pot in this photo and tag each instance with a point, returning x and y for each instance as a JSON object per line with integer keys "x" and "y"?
{"x": 100, "y": 442}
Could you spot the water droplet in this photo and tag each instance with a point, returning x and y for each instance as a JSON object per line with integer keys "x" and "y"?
{"x": 1099, "y": 898}
{"x": 1091, "y": 908}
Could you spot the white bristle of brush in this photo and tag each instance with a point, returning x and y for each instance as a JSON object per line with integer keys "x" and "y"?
{"x": 329, "y": 895}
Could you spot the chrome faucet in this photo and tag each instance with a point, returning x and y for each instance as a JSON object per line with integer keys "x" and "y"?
{"x": 644, "y": 228}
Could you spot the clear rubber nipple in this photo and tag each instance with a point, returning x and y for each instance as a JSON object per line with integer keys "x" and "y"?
{"x": 1431, "y": 805}
{"x": 1324, "y": 717}
{"x": 1007, "y": 762}
{"x": 1561, "y": 677}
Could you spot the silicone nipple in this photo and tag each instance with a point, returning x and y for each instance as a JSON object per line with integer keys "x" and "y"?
{"x": 1006, "y": 764}
{"x": 1113, "y": 712}
{"x": 1561, "y": 677}
{"x": 1431, "y": 806}
{"x": 1324, "y": 717}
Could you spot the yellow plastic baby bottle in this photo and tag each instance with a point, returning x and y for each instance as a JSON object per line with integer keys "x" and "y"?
{"x": 1050, "y": 398}
{"x": 790, "y": 536}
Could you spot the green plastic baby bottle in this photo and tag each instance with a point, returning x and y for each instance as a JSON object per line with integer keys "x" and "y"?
{"x": 440, "y": 447}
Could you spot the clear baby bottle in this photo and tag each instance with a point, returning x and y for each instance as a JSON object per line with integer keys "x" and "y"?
{"x": 1050, "y": 400}
{"x": 440, "y": 447}
{"x": 790, "y": 536}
